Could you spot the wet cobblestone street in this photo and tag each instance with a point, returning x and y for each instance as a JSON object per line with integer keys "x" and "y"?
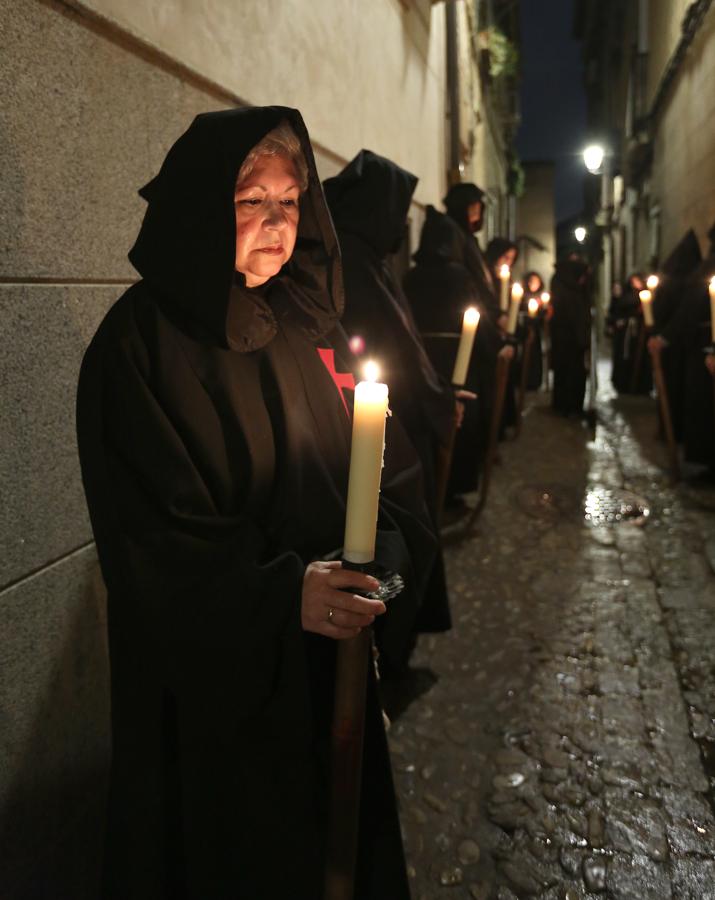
{"x": 564, "y": 750}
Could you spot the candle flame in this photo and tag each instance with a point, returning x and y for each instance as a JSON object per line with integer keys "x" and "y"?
{"x": 371, "y": 371}
{"x": 505, "y": 271}
{"x": 645, "y": 296}
{"x": 471, "y": 316}
{"x": 517, "y": 291}
{"x": 545, "y": 298}
{"x": 712, "y": 283}
{"x": 652, "y": 282}
{"x": 533, "y": 306}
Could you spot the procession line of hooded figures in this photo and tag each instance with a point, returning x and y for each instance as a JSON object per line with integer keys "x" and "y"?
{"x": 214, "y": 427}
{"x": 682, "y": 335}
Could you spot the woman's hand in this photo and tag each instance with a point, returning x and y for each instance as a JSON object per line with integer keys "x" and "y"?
{"x": 328, "y": 606}
{"x": 459, "y": 397}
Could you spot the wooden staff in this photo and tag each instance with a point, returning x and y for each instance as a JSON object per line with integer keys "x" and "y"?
{"x": 526, "y": 361}
{"x": 662, "y": 393}
{"x": 353, "y": 658}
{"x": 638, "y": 361}
{"x": 444, "y": 467}
{"x": 501, "y": 379}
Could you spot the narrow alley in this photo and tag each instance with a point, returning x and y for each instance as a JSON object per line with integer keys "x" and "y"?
{"x": 565, "y": 748}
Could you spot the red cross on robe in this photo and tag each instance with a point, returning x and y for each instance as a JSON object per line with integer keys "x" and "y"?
{"x": 341, "y": 380}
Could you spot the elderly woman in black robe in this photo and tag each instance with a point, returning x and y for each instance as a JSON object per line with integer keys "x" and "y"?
{"x": 214, "y": 435}
{"x": 369, "y": 202}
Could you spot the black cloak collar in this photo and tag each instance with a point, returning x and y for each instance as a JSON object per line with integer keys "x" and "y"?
{"x": 187, "y": 243}
{"x": 371, "y": 198}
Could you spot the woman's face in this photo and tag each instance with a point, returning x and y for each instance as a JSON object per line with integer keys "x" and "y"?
{"x": 267, "y": 217}
{"x": 506, "y": 259}
{"x": 534, "y": 285}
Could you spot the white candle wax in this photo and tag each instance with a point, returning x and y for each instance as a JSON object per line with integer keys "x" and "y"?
{"x": 366, "y": 452}
{"x": 517, "y": 292}
{"x": 504, "y": 276}
{"x": 712, "y": 307}
{"x": 466, "y": 344}
{"x": 646, "y": 302}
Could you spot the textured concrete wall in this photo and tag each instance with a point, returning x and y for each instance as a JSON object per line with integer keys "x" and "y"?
{"x": 87, "y": 114}
{"x": 364, "y": 74}
{"x": 683, "y": 181}
{"x": 536, "y": 219}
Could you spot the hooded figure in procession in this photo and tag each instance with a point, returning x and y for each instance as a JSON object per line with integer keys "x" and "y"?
{"x": 440, "y": 287}
{"x": 631, "y": 369}
{"x": 669, "y": 311}
{"x": 214, "y": 428}
{"x": 570, "y": 335}
{"x": 369, "y": 202}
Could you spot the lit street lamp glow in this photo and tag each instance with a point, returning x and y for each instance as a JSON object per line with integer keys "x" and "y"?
{"x": 593, "y": 157}
{"x": 580, "y": 234}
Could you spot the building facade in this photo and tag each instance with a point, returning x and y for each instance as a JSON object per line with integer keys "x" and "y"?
{"x": 94, "y": 94}
{"x": 650, "y": 74}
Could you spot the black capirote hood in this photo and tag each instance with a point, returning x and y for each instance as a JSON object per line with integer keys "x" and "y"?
{"x": 186, "y": 247}
{"x": 371, "y": 198}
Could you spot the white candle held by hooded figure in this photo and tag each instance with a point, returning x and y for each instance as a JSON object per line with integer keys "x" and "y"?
{"x": 646, "y": 299}
{"x": 366, "y": 455}
{"x": 470, "y": 323}
{"x": 517, "y": 292}
{"x": 504, "y": 276}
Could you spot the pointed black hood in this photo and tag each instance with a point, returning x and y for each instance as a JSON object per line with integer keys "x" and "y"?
{"x": 371, "y": 198}
{"x": 187, "y": 243}
{"x": 441, "y": 241}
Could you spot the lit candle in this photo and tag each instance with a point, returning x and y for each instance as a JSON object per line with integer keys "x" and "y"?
{"x": 366, "y": 453}
{"x": 712, "y": 307}
{"x": 545, "y": 299}
{"x": 466, "y": 343}
{"x": 646, "y": 301}
{"x": 652, "y": 283}
{"x": 517, "y": 292}
{"x": 504, "y": 276}
{"x": 533, "y": 307}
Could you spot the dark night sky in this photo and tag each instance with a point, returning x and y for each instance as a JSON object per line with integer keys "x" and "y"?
{"x": 553, "y": 103}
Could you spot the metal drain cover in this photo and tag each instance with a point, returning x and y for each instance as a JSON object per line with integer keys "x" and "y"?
{"x": 604, "y": 506}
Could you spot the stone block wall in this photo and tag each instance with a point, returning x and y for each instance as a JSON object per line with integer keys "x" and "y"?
{"x": 89, "y": 109}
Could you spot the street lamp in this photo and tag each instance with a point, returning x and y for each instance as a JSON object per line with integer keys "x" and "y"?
{"x": 593, "y": 157}
{"x": 580, "y": 234}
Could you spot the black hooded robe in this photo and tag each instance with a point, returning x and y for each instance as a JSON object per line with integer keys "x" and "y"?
{"x": 440, "y": 287}
{"x": 214, "y": 442}
{"x": 675, "y": 272}
{"x": 625, "y": 324}
{"x": 369, "y": 202}
{"x": 570, "y": 335}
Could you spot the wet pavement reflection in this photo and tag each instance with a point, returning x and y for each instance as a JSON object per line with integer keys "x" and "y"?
{"x": 561, "y": 743}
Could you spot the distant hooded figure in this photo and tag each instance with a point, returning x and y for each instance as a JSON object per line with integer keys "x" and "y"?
{"x": 214, "y": 427}
{"x": 670, "y": 310}
{"x": 440, "y": 287}
{"x": 369, "y": 202}
{"x": 465, "y": 206}
{"x": 503, "y": 252}
{"x": 570, "y": 335}
{"x": 688, "y": 337}
{"x": 625, "y": 325}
